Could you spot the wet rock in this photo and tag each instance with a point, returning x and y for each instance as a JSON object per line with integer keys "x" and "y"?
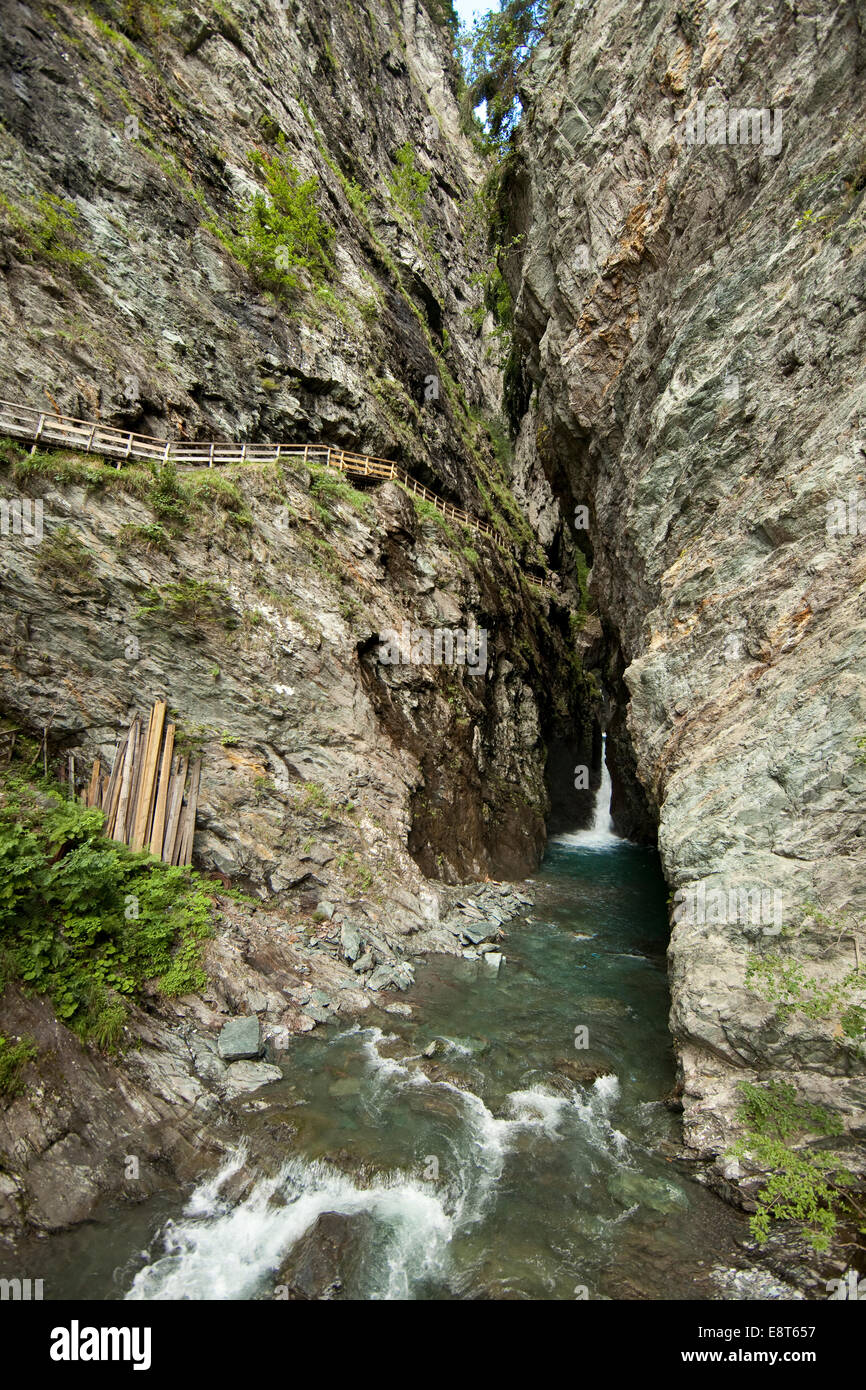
{"x": 240, "y": 1039}
{"x": 249, "y": 1076}
{"x": 582, "y": 1073}
{"x": 329, "y": 1258}
{"x": 752, "y": 1284}
{"x": 317, "y": 1013}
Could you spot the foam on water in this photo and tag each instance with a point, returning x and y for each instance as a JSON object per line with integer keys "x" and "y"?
{"x": 222, "y": 1251}
{"x": 236, "y": 1253}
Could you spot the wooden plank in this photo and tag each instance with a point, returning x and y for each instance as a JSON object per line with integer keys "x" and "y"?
{"x": 150, "y": 762}
{"x": 119, "y": 826}
{"x": 175, "y": 800}
{"x": 183, "y": 852}
{"x": 135, "y": 782}
{"x": 93, "y": 787}
{"x": 157, "y": 833}
{"x": 112, "y": 794}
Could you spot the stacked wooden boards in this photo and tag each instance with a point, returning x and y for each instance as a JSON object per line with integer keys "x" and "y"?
{"x": 145, "y": 797}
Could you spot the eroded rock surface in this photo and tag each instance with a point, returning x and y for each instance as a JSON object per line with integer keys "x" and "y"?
{"x": 693, "y": 317}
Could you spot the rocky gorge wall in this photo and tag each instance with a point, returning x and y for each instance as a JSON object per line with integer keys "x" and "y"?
{"x": 342, "y": 792}
{"x": 690, "y": 317}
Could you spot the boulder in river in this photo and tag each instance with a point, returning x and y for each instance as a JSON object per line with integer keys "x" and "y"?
{"x": 240, "y": 1039}
{"x": 329, "y": 1258}
{"x": 582, "y": 1073}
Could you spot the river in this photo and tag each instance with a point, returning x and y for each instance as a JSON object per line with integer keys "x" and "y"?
{"x": 530, "y": 1155}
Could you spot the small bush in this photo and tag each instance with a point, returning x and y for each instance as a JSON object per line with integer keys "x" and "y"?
{"x": 13, "y": 1056}
{"x": 408, "y": 185}
{"x": 811, "y": 1187}
{"x": 147, "y": 538}
{"x": 63, "y": 556}
{"x": 47, "y": 230}
{"x": 191, "y": 601}
{"x": 284, "y": 241}
{"x": 85, "y": 920}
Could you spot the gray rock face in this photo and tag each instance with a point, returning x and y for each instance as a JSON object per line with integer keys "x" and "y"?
{"x": 240, "y": 1040}
{"x": 692, "y": 313}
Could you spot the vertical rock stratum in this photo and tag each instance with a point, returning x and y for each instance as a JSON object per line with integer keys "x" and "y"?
{"x": 689, "y": 194}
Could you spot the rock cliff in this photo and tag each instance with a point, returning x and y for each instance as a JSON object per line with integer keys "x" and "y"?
{"x": 343, "y": 792}
{"x": 689, "y": 193}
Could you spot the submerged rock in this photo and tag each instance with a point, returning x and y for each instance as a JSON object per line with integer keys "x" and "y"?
{"x": 630, "y": 1188}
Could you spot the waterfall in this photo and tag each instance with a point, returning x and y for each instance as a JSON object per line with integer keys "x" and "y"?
{"x": 600, "y": 834}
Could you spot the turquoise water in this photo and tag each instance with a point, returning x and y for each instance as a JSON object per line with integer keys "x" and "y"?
{"x": 511, "y": 1163}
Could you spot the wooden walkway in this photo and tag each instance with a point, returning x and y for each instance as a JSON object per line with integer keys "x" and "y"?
{"x": 64, "y": 431}
{"x": 54, "y": 430}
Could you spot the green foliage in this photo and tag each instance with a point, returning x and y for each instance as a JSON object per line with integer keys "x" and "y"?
{"x": 516, "y": 388}
{"x": 284, "y": 241}
{"x": 140, "y": 19}
{"x": 408, "y": 184}
{"x": 85, "y": 920}
{"x": 13, "y": 1056}
{"x": 783, "y": 981}
{"x": 67, "y": 466}
{"x": 47, "y": 230}
{"x": 495, "y": 298}
{"x": 167, "y": 495}
{"x": 326, "y": 487}
{"x": 221, "y": 491}
{"x": 775, "y": 1111}
{"x": 494, "y": 53}
{"x": 808, "y": 1186}
{"x": 63, "y": 556}
{"x": 443, "y": 13}
{"x": 192, "y": 601}
{"x": 148, "y": 537}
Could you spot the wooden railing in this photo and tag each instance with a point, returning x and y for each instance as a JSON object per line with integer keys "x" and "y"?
{"x": 52, "y": 429}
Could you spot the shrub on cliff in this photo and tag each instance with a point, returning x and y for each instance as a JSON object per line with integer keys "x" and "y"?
{"x": 47, "y": 230}
{"x": 808, "y": 1185}
{"x": 408, "y": 184}
{"x": 284, "y": 241}
{"x": 85, "y": 920}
